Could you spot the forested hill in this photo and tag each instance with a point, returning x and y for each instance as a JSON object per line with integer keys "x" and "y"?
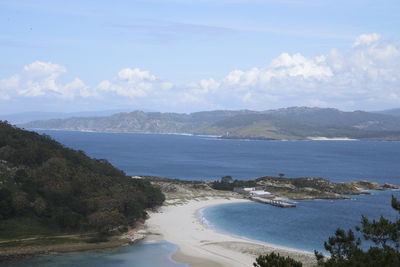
{"x": 294, "y": 123}
{"x": 48, "y": 188}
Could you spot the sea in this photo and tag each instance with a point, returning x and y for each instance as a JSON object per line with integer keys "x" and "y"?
{"x": 305, "y": 227}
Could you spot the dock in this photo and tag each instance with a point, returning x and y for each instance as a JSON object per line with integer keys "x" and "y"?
{"x": 273, "y": 202}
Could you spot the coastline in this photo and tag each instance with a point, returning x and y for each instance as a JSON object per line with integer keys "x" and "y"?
{"x": 200, "y": 246}
{"x": 121, "y": 132}
{"x": 323, "y": 138}
{"x": 15, "y": 253}
{"x": 222, "y": 137}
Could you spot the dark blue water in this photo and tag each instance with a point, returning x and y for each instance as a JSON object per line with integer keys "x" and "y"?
{"x": 194, "y": 157}
{"x": 305, "y": 227}
{"x": 142, "y": 255}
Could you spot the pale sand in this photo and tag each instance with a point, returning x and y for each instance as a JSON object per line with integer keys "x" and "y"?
{"x": 321, "y": 138}
{"x": 203, "y": 247}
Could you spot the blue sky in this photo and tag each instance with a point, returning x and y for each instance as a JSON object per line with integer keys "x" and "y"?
{"x": 184, "y": 55}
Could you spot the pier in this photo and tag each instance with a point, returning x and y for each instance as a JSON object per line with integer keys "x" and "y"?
{"x": 273, "y": 202}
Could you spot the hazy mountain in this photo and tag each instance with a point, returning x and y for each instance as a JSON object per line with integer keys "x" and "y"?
{"x": 24, "y": 117}
{"x": 287, "y": 123}
{"x": 330, "y": 116}
{"x": 393, "y": 112}
{"x": 139, "y": 121}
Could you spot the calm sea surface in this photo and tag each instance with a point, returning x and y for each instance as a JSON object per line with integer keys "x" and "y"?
{"x": 195, "y": 157}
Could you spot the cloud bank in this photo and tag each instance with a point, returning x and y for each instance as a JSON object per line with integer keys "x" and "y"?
{"x": 366, "y": 76}
{"x": 41, "y": 79}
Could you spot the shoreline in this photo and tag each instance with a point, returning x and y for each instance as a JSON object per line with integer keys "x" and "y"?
{"x": 201, "y": 246}
{"x": 246, "y": 239}
{"x": 124, "y": 132}
{"x": 323, "y": 138}
{"x": 221, "y": 137}
{"x": 17, "y": 253}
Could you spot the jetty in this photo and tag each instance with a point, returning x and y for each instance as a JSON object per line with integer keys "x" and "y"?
{"x": 274, "y": 202}
{"x": 257, "y": 194}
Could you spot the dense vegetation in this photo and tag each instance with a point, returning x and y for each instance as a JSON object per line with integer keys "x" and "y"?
{"x": 48, "y": 188}
{"x": 228, "y": 184}
{"x": 299, "y": 188}
{"x": 276, "y": 260}
{"x": 374, "y": 243}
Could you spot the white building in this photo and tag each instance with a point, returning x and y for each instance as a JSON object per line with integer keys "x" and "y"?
{"x": 259, "y": 193}
{"x": 249, "y": 189}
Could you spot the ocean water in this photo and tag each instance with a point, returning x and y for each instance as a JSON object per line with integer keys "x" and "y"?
{"x": 305, "y": 227}
{"x": 140, "y": 255}
{"x": 196, "y": 157}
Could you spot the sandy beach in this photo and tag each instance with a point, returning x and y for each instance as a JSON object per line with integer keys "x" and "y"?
{"x": 200, "y": 246}
{"x": 322, "y": 138}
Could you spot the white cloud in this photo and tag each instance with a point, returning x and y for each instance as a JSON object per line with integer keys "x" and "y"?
{"x": 42, "y": 79}
{"x": 366, "y": 39}
{"x": 366, "y": 76}
{"x": 134, "y": 83}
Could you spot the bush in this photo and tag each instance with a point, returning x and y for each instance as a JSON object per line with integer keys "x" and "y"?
{"x": 276, "y": 260}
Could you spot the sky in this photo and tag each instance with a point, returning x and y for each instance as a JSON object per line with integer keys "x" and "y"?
{"x": 192, "y": 55}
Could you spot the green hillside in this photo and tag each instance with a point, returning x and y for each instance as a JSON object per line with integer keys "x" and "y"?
{"x": 46, "y": 188}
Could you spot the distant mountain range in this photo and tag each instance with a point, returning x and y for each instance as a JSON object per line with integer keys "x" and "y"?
{"x": 24, "y": 117}
{"x": 393, "y": 112}
{"x": 294, "y": 123}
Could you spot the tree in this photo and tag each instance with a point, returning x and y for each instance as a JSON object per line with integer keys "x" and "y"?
{"x": 20, "y": 203}
{"x": 105, "y": 221}
{"x": 227, "y": 179}
{"x": 281, "y": 175}
{"x": 6, "y": 208}
{"x": 382, "y": 236}
{"x": 276, "y": 260}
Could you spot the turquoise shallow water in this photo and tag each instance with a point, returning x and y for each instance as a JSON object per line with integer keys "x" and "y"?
{"x": 305, "y": 227}
{"x": 193, "y": 157}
